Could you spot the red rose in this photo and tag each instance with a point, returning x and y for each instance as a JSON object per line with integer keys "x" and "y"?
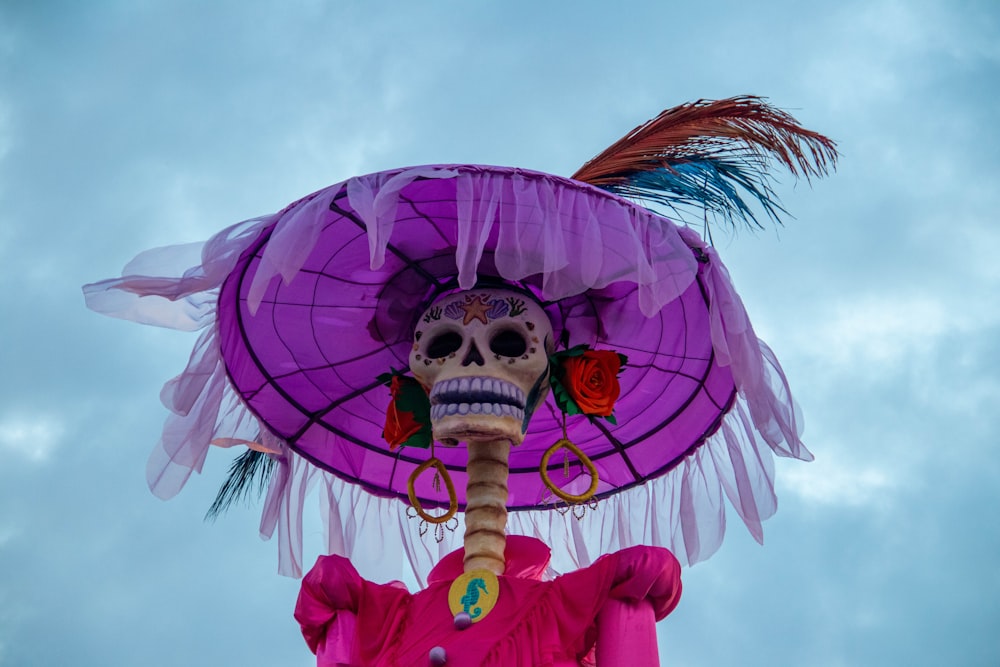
{"x": 400, "y": 425}
{"x": 591, "y": 380}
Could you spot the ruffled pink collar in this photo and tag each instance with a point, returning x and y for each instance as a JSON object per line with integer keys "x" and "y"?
{"x": 526, "y": 557}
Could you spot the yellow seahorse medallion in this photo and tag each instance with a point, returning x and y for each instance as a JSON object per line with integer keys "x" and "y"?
{"x": 475, "y": 593}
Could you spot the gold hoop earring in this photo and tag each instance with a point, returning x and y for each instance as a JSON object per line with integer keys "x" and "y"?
{"x": 584, "y": 459}
{"x": 415, "y": 502}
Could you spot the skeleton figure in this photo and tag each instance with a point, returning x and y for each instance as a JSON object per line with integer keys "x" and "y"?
{"x": 482, "y": 356}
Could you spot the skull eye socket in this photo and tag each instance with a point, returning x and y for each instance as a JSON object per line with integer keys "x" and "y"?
{"x": 508, "y": 343}
{"x": 444, "y": 344}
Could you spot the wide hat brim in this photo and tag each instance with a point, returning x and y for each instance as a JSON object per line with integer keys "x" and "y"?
{"x": 325, "y": 299}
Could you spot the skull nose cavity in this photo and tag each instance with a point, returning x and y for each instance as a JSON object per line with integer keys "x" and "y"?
{"x": 473, "y": 356}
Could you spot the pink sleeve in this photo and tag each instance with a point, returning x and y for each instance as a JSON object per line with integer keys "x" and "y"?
{"x": 575, "y": 601}
{"x": 648, "y": 573}
{"x": 345, "y": 619}
{"x": 647, "y": 587}
{"x": 327, "y": 604}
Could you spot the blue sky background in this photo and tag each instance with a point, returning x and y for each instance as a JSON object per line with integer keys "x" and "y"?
{"x": 132, "y": 124}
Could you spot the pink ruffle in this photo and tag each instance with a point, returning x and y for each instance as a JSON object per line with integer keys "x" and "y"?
{"x": 535, "y": 623}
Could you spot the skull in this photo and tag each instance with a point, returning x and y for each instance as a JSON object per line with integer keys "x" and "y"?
{"x": 482, "y": 355}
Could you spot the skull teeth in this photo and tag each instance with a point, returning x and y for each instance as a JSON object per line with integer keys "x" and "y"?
{"x": 476, "y": 396}
{"x": 477, "y": 390}
{"x": 441, "y": 410}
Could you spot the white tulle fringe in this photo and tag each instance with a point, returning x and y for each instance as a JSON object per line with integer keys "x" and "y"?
{"x": 683, "y": 510}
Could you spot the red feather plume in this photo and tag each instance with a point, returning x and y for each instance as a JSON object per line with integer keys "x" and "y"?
{"x": 744, "y": 127}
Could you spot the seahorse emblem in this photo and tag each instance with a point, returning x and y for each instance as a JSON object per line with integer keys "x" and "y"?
{"x": 471, "y": 596}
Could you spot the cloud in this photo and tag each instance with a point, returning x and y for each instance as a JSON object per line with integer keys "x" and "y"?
{"x": 132, "y": 125}
{"x": 886, "y": 329}
{"x": 877, "y": 52}
{"x": 31, "y": 437}
{"x": 833, "y": 481}
{"x": 6, "y": 129}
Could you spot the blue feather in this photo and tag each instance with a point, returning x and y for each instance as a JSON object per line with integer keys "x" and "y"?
{"x": 715, "y": 184}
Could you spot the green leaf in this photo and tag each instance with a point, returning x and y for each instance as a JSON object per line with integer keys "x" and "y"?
{"x": 564, "y": 400}
{"x": 421, "y": 439}
{"x": 412, "y": 398}
{"x": 555, "y": 360}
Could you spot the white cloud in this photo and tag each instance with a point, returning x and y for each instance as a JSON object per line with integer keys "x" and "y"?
{"x": 864, "y": 57}
{"x": 7, "y": 533}
{"x": 886, "y": 329}
{"x": 979, "y": 243}
{"x": 6, "y": 129}
{"x": 32, "y": 437}
{"x": 831, "y": 481}
{"x": 877, "y": 51}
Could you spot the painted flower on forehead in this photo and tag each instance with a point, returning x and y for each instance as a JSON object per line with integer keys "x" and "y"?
{"x": 585, "y": 381}
{"x": 407, "y": 419}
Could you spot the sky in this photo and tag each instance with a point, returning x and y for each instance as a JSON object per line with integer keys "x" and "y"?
{"x": 133, "y": 124}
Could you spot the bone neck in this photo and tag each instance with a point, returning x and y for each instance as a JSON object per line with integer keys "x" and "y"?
{"x": 486, "y": 506}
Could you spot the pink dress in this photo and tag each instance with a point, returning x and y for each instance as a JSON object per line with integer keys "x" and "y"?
{"x": 347, "y": 620}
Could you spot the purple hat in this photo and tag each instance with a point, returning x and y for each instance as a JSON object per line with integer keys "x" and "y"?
{"x": 303, "y": 310}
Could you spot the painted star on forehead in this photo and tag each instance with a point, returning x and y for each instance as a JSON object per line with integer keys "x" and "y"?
{"x": 475, "y": 309}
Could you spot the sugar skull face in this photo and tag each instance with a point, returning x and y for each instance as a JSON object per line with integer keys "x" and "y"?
{"x": 482, "y": 355}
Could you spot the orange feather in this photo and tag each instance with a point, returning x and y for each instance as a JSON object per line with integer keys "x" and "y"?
{"x": 743, "y": 128}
